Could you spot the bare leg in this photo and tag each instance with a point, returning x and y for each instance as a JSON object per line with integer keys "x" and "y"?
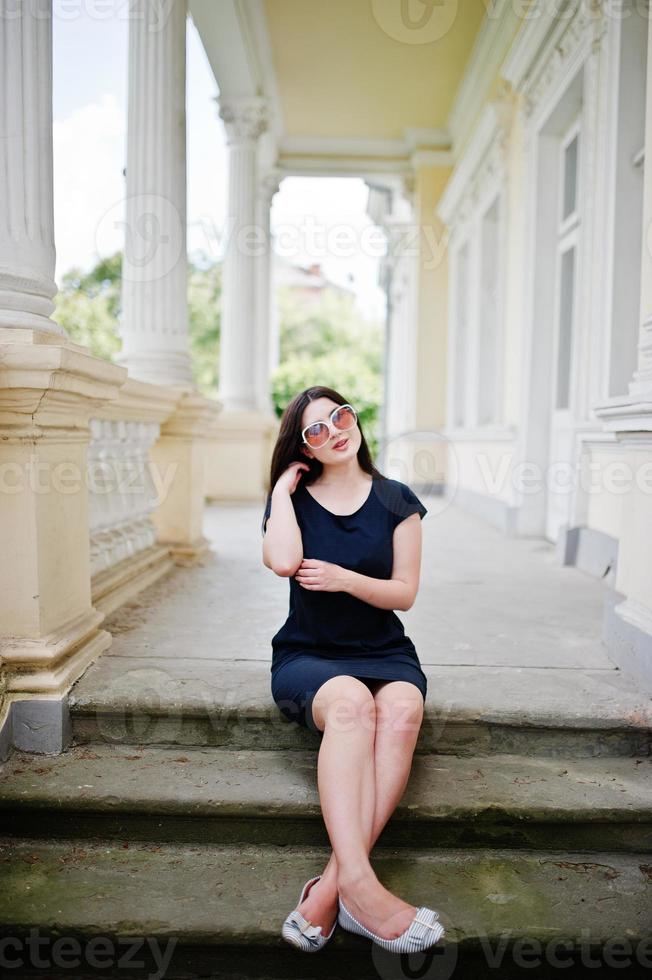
{"x": 396, "y": 722}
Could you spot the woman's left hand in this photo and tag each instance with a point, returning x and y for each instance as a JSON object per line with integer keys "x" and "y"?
{"x": 313, "y": 573}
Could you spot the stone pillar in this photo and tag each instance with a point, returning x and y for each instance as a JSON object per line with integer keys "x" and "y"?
{"x": 628, "y": 624}
{"x": 641, "y": 384}
{"x": 401, "y": 405}
{"x": 245, "y": 121}
{"x": 27, "y": 256}
{"x": 243, "y": 434}
{"x": 154, "y": 325}
{"x": 49, "y": 389}
{"x": 268, "y": 185}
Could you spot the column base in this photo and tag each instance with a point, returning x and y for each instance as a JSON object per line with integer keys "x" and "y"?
{"x": 191, "y": 554}
{"x": 627, "y": 633}
{"x": 49, "y": 664}
{"x": 49, "y": 389}
{"x": 34, "y": 715}
{"x": 167, "y": 369}
{"x": 239, "y": 455}
{"x": 628, "y": 626}
{"x": 592, "y": 551}
{"x": 39, "y": 725}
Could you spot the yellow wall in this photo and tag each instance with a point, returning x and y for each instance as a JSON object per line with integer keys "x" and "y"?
{"x": 432, "y": 300}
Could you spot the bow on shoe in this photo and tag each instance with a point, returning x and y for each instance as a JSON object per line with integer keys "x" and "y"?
{"x": 312, "y": 933}
{"x": 420, "y": 926}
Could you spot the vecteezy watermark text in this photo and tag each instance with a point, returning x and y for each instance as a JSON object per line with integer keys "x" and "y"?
{"x": 100, "y": 477}
{"x": 99, "y": 952}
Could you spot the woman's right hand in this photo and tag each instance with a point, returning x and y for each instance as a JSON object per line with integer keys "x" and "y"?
{"x": 290, "y": 477}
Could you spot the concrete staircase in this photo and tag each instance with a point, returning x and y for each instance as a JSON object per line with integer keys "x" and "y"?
{"x": 185, "y": 818}
{"x": 191, "y": 829}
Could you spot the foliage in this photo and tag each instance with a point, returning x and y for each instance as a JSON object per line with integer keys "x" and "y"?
{"x": 204, "y": 304}
{"x": 87, "y": 306}
{"x": 327, "y": 343}
{"x": 323, "y": 339}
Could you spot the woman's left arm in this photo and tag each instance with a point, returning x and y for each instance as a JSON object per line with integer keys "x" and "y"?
{"x": 397, "y": 592}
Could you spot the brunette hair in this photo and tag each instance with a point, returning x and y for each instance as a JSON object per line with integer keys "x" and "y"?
{"x": 288, "y": 444}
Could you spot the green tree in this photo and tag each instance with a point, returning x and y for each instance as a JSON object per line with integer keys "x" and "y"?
{"x": 327, "y": 342}
{"x": 204, "y": 319}
{"x": 322, "y": 341}
{"x": 88, "y": 307}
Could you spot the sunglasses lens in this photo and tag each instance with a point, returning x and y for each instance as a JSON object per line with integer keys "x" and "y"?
{"x": 344, "y": 418}
{"x": 317, "y": 435}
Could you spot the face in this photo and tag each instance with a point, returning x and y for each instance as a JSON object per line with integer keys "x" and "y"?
{"x": 319, "y": 411}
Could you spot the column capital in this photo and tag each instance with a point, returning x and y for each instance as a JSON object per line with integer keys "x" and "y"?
{"x": 269, "y": 184}
{"x": 245, "y": 117}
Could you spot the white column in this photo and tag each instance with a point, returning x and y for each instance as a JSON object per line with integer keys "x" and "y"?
{"x": 401, "y": 367}
{"x": 27, "y": 256}
{"x": 641, "y": 384}
{"x": 268, "y": 186}
{"x": 154, "y": 326}
{"x": 245, "y": 121}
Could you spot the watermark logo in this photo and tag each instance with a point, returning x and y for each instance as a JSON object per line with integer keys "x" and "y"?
{"x": 426, "y": 461}
{"x": 415, "y": 21}
{"x": 153, "y": 234}
{"x": 507, "y": 952}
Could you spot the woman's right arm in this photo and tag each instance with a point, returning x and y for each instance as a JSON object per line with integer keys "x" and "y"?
{"x": 282, "y": 543}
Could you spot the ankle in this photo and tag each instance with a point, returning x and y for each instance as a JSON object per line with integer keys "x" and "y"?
{"x": 349, "y": 879}
{"x": 329, "y": 875}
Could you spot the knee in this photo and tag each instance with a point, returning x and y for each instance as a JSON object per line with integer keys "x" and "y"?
{"x": 344, "y": 702}
{"x": 399, "y": 709}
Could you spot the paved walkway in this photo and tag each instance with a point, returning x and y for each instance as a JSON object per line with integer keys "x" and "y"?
{"x": 501, "y": 629}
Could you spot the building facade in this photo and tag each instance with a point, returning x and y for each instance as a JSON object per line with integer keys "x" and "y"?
{"x": 505, "y": 153}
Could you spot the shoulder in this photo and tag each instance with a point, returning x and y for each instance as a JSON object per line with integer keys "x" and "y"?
{"x": 294, "y": 497}
{"x": 399, "y": 499}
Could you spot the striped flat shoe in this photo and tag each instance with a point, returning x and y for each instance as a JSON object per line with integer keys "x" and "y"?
{"x": 423, "y": 931}
{"x": 301, "y": 933}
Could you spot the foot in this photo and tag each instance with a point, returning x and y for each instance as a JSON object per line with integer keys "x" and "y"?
{"x": 376, "y": 908}
{"x": 320, "y": 906}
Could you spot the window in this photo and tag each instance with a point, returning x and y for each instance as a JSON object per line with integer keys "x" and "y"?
{"x": 567, "y": 241}
{"x": 565, "y": 317}
{"x": 570, "y": 177}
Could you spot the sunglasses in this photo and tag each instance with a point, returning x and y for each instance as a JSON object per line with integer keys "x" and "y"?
{"x": 317, "y": 434}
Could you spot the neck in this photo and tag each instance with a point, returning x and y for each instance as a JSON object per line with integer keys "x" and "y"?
{"x": 343, "y": 474}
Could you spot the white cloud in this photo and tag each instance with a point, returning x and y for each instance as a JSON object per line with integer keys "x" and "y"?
{"x": 89, "y": 155}
{"x": 89, "y": 186}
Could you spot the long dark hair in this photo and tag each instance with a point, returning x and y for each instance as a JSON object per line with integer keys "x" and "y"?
{"x": 288, "y": 444}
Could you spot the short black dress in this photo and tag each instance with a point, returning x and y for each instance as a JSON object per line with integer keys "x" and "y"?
{"x": 327, "y": 634}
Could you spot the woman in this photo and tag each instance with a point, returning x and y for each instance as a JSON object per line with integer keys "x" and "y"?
{"x": 349, "y": 540}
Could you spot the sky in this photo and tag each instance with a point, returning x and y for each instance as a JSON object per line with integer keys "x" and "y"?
{"x": 313, "y": 219}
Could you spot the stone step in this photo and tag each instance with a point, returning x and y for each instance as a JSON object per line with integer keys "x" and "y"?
{"x": 242, "y": 727}
{"x": 225, "y": 797}
{"x": 227, "y": 704}
{"x": 217, "y": 911}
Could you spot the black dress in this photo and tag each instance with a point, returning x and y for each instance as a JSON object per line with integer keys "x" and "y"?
{"x": 331, "y": 633}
